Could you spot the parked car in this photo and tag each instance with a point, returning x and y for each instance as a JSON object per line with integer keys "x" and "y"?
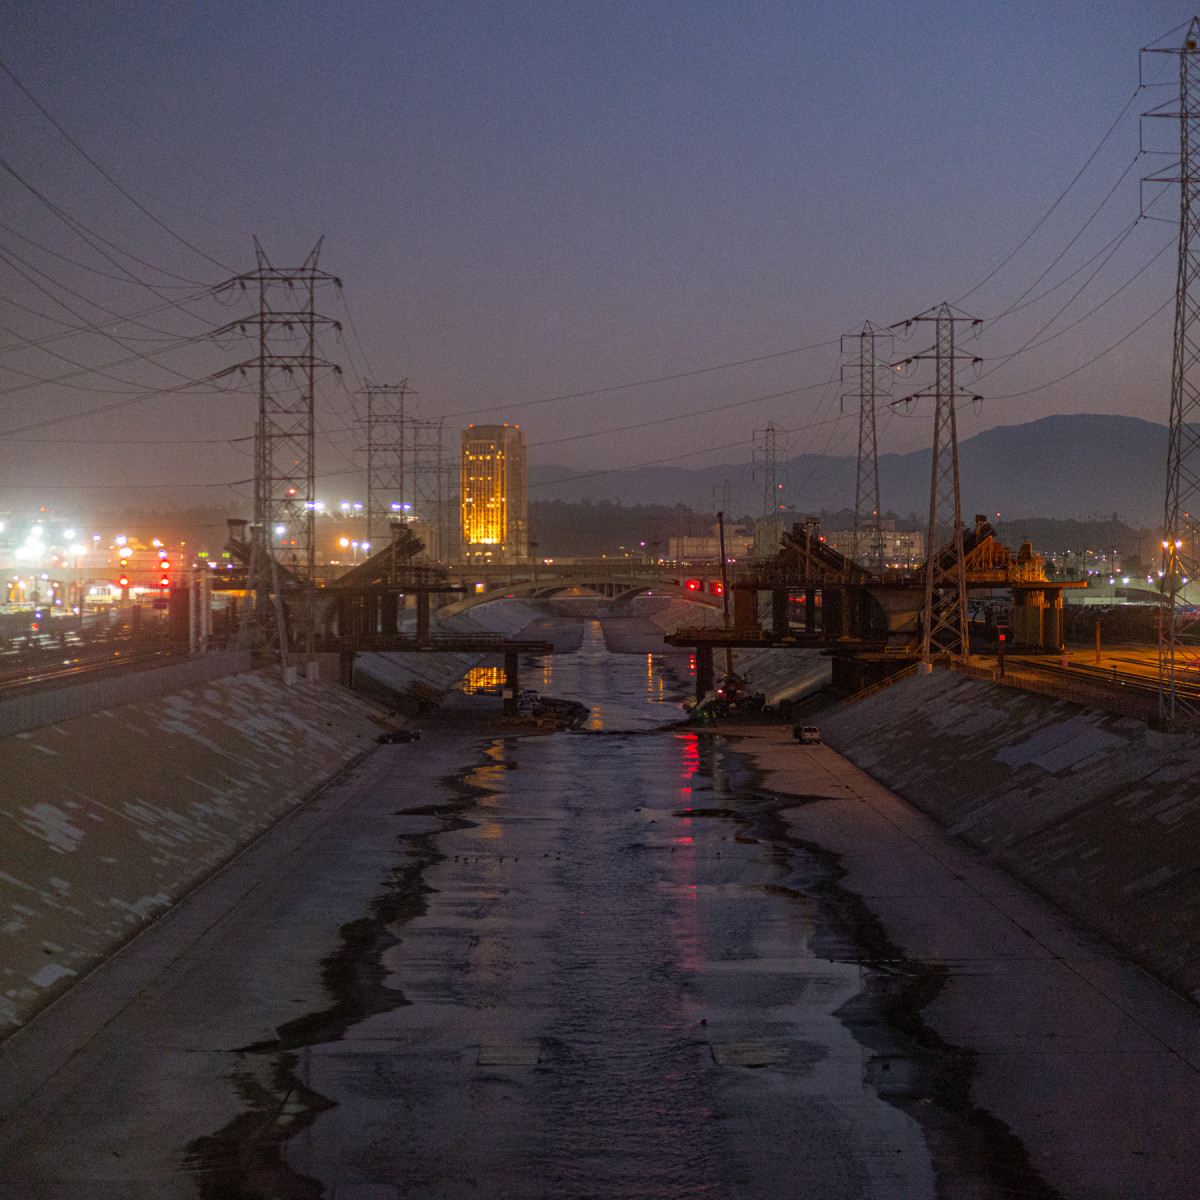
{"x": 399, "y": 735}
{"x": 807, "y": 735}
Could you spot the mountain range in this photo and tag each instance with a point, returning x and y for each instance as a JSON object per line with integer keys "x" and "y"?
{"x": 1073, "y": 467}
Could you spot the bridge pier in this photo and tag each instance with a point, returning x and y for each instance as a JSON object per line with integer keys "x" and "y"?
{"x": 779, "y": 611}
{"x": 512, "y": 683}
{"x": 346, "y": 668}
{"x": 810, "y": 610}
{"x": 705, "y": 675}
{"x": 422, "y": 618}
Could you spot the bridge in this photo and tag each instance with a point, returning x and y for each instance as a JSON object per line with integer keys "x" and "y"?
{"x": 618, "y": 580}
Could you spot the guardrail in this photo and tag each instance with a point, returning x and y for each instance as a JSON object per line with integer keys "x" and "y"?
{"x": 21, "y": 712}
{"x": 874, "y": 688}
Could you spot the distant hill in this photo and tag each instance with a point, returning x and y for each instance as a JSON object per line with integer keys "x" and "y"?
{"x": 1075, "y": 467}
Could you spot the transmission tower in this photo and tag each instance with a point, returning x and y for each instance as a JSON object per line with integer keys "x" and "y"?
{"x": 765, "y": 452}
{"x": 868, "y": 530}
{"x": 1178, "y": 659}
{"x": 284, "y": 440}
{"x": 944, "y": 629}
{"x": 427, "y": 476}
{"x": 385, "y": 429}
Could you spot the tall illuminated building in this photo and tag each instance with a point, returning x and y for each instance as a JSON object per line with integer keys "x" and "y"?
{"x": 495, "y": 509}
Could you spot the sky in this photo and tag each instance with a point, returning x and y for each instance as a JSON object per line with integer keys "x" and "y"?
{"x": 639, "y": 230}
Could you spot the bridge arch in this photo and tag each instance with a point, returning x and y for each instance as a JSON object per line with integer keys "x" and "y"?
{"x": 589, "y": 586}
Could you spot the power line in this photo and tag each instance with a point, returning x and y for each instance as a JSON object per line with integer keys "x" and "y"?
{"x": 621, "y": 387}
{"x": 75, "y": 226}
{"x": 699, "y": 412}
{"x": 1061, "y": 197}
{"x": 89, "y": 159}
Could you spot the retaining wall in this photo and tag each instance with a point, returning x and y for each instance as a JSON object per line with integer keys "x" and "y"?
{"x": 1092, "y": 810}
{"x": 28, "y": 711}
{"x": 108, "y": 818}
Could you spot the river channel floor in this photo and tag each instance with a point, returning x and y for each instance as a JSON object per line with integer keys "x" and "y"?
{"x": 631, "y": 961}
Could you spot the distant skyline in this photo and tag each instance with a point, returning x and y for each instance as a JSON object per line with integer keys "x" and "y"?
{"x": 527, "y": 201}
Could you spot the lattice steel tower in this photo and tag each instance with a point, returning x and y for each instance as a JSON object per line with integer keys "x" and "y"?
{"x": 944, "y": 625}
{"x": 386, "y": 436}
{"x": 1182, "y": 508}
{"x": 427, "y": 476}
{"x": 286, "y": 365}
{"x": 868, "y": 529}
{"x": 766, "y": 455}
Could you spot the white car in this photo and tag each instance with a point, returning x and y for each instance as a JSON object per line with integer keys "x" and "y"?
{"x": 807, "y": 735}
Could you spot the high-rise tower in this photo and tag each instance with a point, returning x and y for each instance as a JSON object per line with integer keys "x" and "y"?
{"x": 495, "y": 508}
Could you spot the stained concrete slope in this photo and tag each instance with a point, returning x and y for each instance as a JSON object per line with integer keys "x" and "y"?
{"x": 108, "y": 818}
{"x": 1087, "y": 808}
{"x": 783, "y": 674}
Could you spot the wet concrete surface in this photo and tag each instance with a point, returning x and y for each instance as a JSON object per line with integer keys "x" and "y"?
{"x": 616, "y": 963}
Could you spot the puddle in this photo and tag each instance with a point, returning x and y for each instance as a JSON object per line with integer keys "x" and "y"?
{"x": 245, "y": 1160}
{"x": 912, "y": 1067}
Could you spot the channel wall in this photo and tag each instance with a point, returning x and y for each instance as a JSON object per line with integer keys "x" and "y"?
{"x": 109, "y": 816}
{"x": 1094, "y": 811}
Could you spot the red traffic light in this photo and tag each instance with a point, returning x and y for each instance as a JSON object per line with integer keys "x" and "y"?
{"x": 165, "y": 581}
{"x": 124, "y": 581}
{"x": 715, "y": 587}
{"x": 164, "y": 565}
{"x": 692, "y": 585}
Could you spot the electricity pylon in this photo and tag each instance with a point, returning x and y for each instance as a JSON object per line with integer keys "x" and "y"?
{"x": 385, "y": 429}
{"x": 766, "y": 455}
{"x": 1179, "y": 661}
{"x": 944, "y": 626}
{"x": 286, "y": 365}
{"x": 867, "y": 509}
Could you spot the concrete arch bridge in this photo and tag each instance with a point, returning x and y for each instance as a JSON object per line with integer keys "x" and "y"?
{"x": 609, "y": 580}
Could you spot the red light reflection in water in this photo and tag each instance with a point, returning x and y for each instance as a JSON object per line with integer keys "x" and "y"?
{"x": 682, "y": 866}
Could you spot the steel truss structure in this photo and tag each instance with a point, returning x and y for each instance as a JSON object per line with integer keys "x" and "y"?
{"x": 385, "y": 425}
{"x": 944, "y": 629}
{"x": 428, "y": 480}
{"x": 764, "y": 453}
{"x": 286, "y": 366}
{"x": 868, "y": 530}
{"x": 1179, "y": 622}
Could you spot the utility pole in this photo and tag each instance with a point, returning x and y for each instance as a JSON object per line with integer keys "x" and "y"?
{"x": 867, "y": 509}
{"x": 944, "y": 629}
{"x": 385, "y": 430}
{"x": 1176, "y": 658}
{"x": 286, "y": 365}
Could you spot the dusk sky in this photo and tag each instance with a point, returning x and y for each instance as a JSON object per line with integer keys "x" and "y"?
{"x": 532, "y": 205}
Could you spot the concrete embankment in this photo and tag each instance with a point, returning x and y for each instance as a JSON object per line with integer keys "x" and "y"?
{"x": 1089, "y": 809}
{"x": 107, "y": 818}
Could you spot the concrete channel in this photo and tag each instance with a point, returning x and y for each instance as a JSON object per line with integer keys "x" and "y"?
{"x": 638, "y": 960}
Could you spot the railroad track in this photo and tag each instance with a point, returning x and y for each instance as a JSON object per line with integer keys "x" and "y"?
{"x": 1107, "y": 677}
{"x": 15, "y": 678}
